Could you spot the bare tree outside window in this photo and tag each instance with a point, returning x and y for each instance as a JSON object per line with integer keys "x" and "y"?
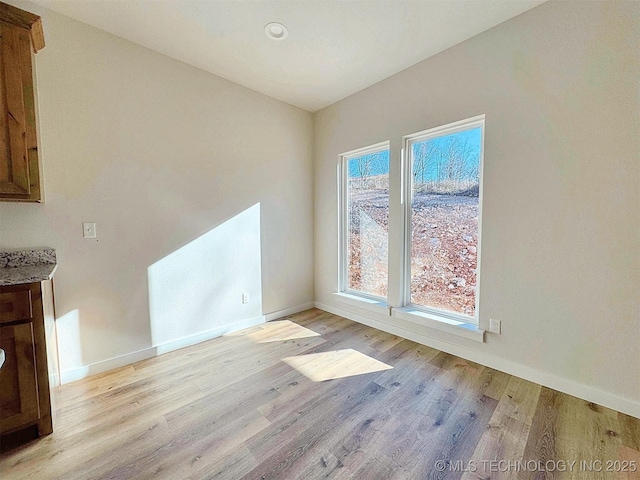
{"x": 446, "y": 166}
{"x": 444, "y": 221}
{"x": 445, "y": 176}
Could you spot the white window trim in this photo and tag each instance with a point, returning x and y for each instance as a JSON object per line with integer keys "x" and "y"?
{"x": 443, "y": 324}
{"x": 356, "y": 299}
{"x": 343, "y": 228}
{"x": 439, "y": 320}
{"x": 418, "y": 312}
{"x": 408, "y": 314}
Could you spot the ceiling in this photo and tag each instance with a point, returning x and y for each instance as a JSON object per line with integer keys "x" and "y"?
{"x": 334, "y": 48}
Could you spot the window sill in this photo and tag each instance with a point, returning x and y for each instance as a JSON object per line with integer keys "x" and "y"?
{"x": 372, "y": 305}
{"x": 443, "y": 324}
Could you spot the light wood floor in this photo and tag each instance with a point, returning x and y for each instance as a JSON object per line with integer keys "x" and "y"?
{"x": 318, "y": 396}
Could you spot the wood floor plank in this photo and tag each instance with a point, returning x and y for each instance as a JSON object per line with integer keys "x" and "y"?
{"x": 519, "y": 400}
{"x": 294, "y": 418}
{"x": 504, "y": 438}
{"x": 191, "y": 450}
{"x": 541, "y": 443}
{"x": 81, "y": 390}
{"x": 95, "y": 463}
{"x": 379, "y": 340}
{"x": 233, "y": 408}
{"x": 453, "y": 423}
{"x": 385, "y": 430}
{"x": 297, "y": 395}
{"x": 630, "y": 431}
{"x": 254, "y": 363}
{"x": 628, "y": 467}
{"x": 231, "y": 466}
{"x": 577, "y": 420}
{"x": 60, "y": 456}
{"x": 380, "y": 467}
{"x": 221, "y": 406}
{"x": 368, "y": 417}
{"x": 134, "y": 401}
{"x": 494, "y": 383}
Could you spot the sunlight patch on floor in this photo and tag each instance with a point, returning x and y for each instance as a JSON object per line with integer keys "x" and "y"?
{"x": 335, "y": 364}
{"x": 276, "y": 331}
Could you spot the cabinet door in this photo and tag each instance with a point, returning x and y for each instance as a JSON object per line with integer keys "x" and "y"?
{"x": 18, "y": 388}
{"x": 15, "y": 60}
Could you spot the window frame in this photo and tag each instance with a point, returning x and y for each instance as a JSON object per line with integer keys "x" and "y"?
{"x": 407, "y": 201}
{"x": 343, "y": 219}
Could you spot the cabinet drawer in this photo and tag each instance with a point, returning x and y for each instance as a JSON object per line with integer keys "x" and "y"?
{"x": 15, "y": 306}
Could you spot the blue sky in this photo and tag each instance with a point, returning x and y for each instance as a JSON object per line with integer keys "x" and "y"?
{"x": 380, "y": 160}
{"x": 379, "y": 164}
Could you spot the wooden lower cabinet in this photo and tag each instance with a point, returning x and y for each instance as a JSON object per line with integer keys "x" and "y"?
{"x": 29, "y": 375}
{"x": 19, "y": 392}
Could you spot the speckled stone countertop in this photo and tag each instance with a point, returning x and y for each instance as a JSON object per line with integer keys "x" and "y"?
{"x": 27, "y": 266}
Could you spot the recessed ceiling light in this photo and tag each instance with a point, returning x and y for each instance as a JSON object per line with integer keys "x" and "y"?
{"x": 276, "y": 31}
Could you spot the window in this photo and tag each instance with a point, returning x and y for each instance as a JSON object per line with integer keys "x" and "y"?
{"x": 364, "y": 222}
{"x": 435, "y": 249}
{"x": 442, "y": 218}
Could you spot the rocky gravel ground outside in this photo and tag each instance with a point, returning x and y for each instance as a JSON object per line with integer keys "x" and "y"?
{"x": 444, "y": 248}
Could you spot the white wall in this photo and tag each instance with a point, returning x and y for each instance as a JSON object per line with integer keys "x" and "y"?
{"x": 559, "y": 86}
{"x": 158, "y": 154}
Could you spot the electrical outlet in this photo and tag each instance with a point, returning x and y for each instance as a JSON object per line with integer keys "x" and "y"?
{"x": 495, "y": 326}
{"x": 245, "y": 298}
{"x": 89, "y": 230}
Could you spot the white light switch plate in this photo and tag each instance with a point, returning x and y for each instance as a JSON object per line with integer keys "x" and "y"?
{"x": 89, "y": 230}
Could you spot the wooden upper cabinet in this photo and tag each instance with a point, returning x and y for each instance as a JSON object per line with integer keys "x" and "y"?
{"x": 20, "y": 38}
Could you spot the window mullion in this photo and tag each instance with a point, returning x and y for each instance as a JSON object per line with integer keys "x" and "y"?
{"x": 396, "y": 228}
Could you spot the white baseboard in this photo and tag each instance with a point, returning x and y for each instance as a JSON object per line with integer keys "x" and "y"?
{"x": 79, "y": 373}
{"x": 115, "y": 362}
{"x": 288, "y": 311}
{"x": 550, "y": 380}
